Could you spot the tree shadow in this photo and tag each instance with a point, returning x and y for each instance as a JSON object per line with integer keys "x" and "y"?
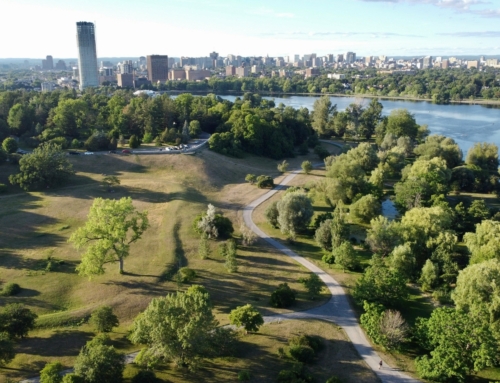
{"x": 60, "y": 343}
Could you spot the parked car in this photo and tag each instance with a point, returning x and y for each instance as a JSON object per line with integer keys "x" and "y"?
{"x": 126, "y": 151}
{"x": 88, "y": 153}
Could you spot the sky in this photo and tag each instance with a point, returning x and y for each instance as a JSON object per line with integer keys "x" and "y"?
{"x": 124, "y": 28}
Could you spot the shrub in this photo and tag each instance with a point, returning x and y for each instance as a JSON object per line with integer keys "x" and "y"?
{"x": 9, "y": 145}
{"x": 272, "y": 214}
{"x": 147, "y": 138}
{"x": 252, "y": 178}
{"x": 244, "y": 375}
{"x": 103, "y": 319}
{"x": 75, "y": 144}
{"x": 134, "y": 142}
{"x": 283, "y": 166}
{"x": 321, "y": 152}
{"x": 303, "y": 354}
{"x": 313, "y": 284}
{"x": 10, "y": 289}
{"x": 297, "y": 374}
{"x": 306, "y": 167}
{"x": 265, "y": 182}
{"x": 73, "y": 378}
{"x": 51, "y": 373}
{"x": 3, "y": 188}
{"x": 283, "y": 296}
{"x": 323, "y": 235}
{"x": 145, "y": 376}
{"x": 186, "y": 274}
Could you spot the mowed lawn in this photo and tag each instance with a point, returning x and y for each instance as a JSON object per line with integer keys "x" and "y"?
{"x": 173, "y": 189}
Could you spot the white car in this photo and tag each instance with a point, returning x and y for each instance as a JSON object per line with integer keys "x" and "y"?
{"x": 88, "y": 153}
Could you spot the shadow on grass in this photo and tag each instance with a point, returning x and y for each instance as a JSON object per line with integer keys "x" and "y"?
{"x": 60, "y": 343}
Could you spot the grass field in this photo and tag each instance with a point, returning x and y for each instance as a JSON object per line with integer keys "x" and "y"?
{"x": 174, "y": 189}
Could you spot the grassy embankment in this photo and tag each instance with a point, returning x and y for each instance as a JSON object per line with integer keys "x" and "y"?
{"x": 174, "y": 189}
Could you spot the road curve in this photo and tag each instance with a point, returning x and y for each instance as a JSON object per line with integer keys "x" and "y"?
{"x": 337, "y": 309}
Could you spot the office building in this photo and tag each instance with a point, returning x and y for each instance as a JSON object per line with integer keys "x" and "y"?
{"x": 427, "y": 63}
{"x": 242, "y": 71}
{"x": 197, "y": 75}
{"x": 350, "y": 57}
{"x": 127, "y": 67}
{"x": 445, "y": 64}
{"x": 125, "y": 80}
{"x": 230, "y": 70}
{"x": 473, "y": 64}
{"x": 48, "y": 63}
{"x": 157, "y": 68}
{"x": 61, "y": 65}
{"x": 87, "y": 54}
{"x": 312, "y": 72}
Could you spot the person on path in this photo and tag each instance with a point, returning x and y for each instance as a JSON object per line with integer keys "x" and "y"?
{"x": 380, "y": 365}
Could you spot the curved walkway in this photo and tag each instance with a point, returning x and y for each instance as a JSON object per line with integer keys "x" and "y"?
{"x": 337, "y": 309}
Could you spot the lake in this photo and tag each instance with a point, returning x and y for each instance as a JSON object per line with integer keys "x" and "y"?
{"x": 466, "y": 124}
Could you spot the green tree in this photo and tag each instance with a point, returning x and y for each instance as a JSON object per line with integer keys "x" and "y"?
{"x": 313, "y": 284}
{"x": 145, "y": 376}
{"x": 283, "y": 296}
{"x": 483, "y": 244}
{"x": 383, "y": 235}
{"x": 484, "y": 155}
{"x": 98, "y": 362}
{"x": 17, "y": 320}
{"x": 72, "y": 378}
{"x": 204, "y": 248}
{"x": 306, "y": 167}
{"x": 178, "y": 327}
{"x": 246, "y": 316}
{"x": 252, "y": 178}
{"x": 47, "y": 166}
{"x": 381, "y": 284}
{"x": 134, "y": 142}
{"x": 103, "y": 319}
{"x": 440, "y": 146}
{"x": 9, "y": 145}
{"x": 111, "y": 227}
{"x": 478, "y": 290}
{"x": 20, "y": 118}
{"x": 322, "y": 115}
{"x": 7, "y": 352}
{"x": 340, "y": 229}
{"x": 402, "y": 260}
{"x": 366, "y": 208}
{"x": 194, "y": 128}
{"x": 231, "y": 263}
{"x": 402, "y": 123}
{"x": 294, "y": 213}
{"x": 110, "y": 181}
{"x": 459, "y": 345}
{"x": 272, "y": 214}
{"x": 429, "y": 276}
{"x": 345, "y": 256}
{"x": 51, "y": 373}
{"x": 323, "y": 235}
{"x": 283, "y": 166}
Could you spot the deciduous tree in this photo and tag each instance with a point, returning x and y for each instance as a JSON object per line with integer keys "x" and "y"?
{"x": 246, "y": 316}
{"x": 111, "y": 227}
{"x": 103, "y": 319}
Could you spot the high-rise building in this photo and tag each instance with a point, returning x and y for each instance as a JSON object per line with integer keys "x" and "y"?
{"x": 125, "y": 80}
{"x": 127, "y": 67}
{"x": 427, "y": 63}
{"x": 61, "y": 65}
{"x": 48, "y": 63}
{"x": 87, "y": 54}
{"x": 350, "y": 57}
{"x": 157, "y": 68}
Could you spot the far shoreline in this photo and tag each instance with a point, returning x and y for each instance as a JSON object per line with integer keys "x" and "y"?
{"x": 355, "y": 95}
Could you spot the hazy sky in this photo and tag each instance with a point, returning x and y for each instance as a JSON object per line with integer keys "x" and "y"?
{"x": 35, "y": 28}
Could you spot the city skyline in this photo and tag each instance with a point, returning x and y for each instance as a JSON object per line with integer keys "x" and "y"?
{"x": 196, "y": 27}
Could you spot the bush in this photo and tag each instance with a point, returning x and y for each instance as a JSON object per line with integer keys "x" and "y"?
{"x": 134, "y": 142}
{"x": 265, "y": 182}
{"x": 323, "y": 235}
{"x": 147, "y": 138}
{"x": 51, "y": 373}
{"x": 283, "y": 166}
{"x": 244, "y": 375}
{"x": 306, "y": 167}
{"x": 3, "y": 188}
{"x": 321, "y": 152}
{"x": 72, "y": 378}
{"x": 10, "y": 289}
{"x": 145, "y": 376}
{"x": 283, "y": 296}
{"x": 103, "y": 319}
{"x": 297, "y": 374}
{"x": 186, "y": 274}
{"x": 313, "y": 284}
{"x": 9, "y": 145}
{"x": 272, "y": 214}
{"x": 252, "y": 178}
{"x": 75, "y": 144}
{"x": 303, "y": 354}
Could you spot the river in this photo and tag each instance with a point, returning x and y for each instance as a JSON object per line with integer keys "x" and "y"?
{"x": 466, "y": 124}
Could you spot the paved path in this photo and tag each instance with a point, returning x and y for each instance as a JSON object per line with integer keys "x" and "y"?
{"x": 337, "y": 309}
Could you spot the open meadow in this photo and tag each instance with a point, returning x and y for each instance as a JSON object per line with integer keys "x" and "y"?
{"x": 173, "y": 189}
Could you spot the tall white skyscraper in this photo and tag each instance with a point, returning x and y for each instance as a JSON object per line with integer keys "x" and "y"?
{"x": 87, "y": 54}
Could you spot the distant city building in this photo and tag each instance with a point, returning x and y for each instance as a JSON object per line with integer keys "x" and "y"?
{"x": 214, "y": 56}
{"x": 48, "y": 63}
{"x": 473, "y": 64}
{"x": 350, "y": 57}
{"x": 311, "y": 72}
{"x": 47, "y": 86}
{"x": 242, "y": 71}
{"x": 125, "y": 80}
{"x": 427, "y": 62}
{"x": 157, "y": 68}
{"x": 127, "y": 67}
{"x": 177, "y": 74}
{"x": 340, "y": 58}
{"x": 106, "y": 72}
{"x": 60, "y": 65}
{"x": 254, "y": 69}
{"x": 76, "y": 72}
{"x": 87, "y": 54}
{"x": 108, "y": 64}
{"x": 230, "y": 70}
{"x": 492, "y": 62}
{"x": 336, "y": 76}
{"x": 196, "y": 75}
{"x": 140, "y": 81}
{"x": 445, "y": 64}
